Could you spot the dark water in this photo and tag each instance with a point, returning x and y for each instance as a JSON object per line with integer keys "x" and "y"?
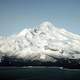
{"x": 38, "y": 73}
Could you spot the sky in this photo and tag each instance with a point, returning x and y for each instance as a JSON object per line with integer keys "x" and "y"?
{"x": 15, "y": 15}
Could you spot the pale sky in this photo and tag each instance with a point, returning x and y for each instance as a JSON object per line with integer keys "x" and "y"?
{"x": 16, "y": 15}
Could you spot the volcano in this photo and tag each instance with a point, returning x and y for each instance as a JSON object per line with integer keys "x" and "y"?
{"x": 44, "y": 43}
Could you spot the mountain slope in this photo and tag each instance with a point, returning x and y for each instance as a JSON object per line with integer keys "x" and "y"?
{"x": 46, "y": 42}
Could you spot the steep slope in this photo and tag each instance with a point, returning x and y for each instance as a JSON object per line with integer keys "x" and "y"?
{"x": 46, "y": 42}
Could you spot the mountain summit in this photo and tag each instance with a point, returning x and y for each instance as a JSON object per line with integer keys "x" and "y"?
{"x": 42, "y": 43}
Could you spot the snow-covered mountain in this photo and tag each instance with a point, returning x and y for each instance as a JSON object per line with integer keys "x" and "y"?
{"x": 45, "y": 42}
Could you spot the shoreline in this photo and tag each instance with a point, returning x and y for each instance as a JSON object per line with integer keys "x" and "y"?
{"x": 35, "y": 67}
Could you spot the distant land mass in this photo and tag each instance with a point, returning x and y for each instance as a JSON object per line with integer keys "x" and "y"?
{"x": 44, "y": 45}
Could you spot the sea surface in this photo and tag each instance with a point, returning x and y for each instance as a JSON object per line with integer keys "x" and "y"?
{"x": 38, "y": 73}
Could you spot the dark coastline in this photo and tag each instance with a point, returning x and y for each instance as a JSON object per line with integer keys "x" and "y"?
{"x": 19, "y": 69}
{"x": 60, "y": 62}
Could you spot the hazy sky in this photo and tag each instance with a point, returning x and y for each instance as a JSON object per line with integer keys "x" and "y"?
{"x": 16, "y": 15}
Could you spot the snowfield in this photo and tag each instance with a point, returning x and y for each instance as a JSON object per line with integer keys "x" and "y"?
{"x": 45, "y": 42}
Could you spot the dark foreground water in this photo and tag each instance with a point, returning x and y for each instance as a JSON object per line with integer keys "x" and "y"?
{"x": 38, "y": 73}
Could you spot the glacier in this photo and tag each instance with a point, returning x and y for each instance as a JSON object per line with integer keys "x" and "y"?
{"x": 45, "y": 42}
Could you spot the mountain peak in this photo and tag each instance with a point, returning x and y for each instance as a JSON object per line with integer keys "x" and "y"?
{"x": 46, "y": 25}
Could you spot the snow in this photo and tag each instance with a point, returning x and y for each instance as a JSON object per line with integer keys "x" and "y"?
{"x": 40, "y": 42}
{"x": 42, "y": 56}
